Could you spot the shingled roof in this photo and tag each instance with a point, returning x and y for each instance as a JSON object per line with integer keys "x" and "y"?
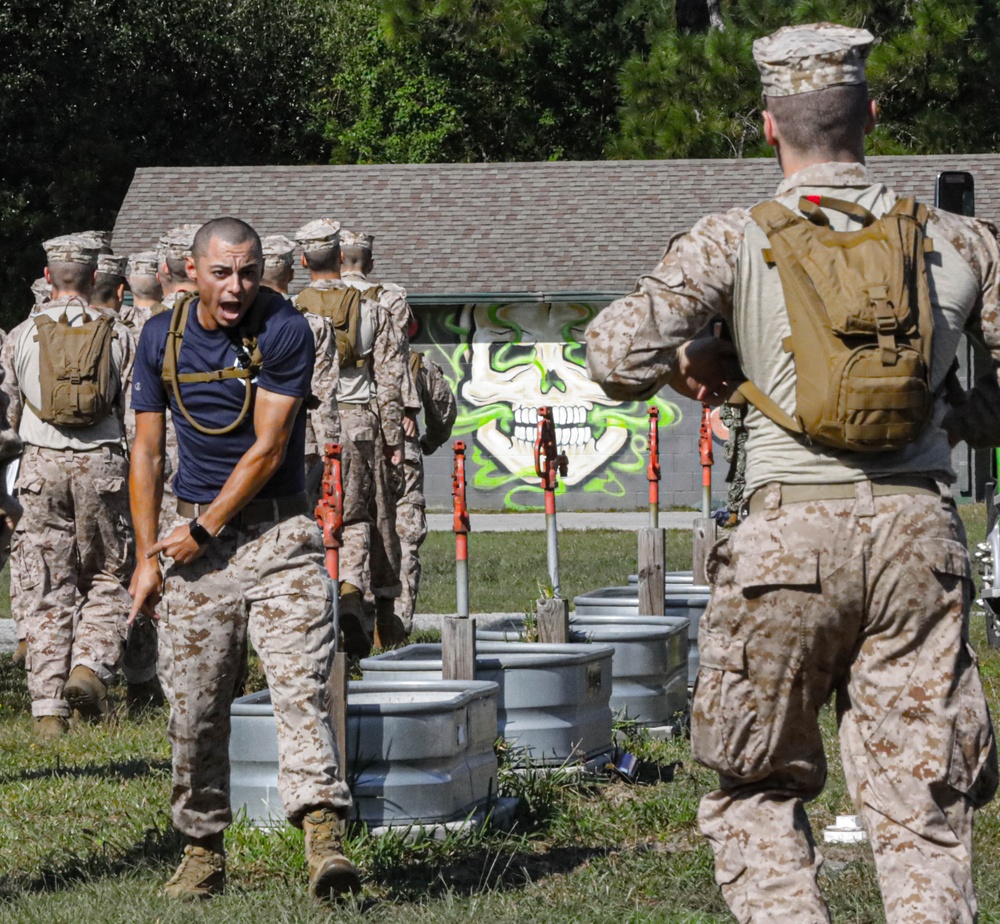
{"x": 450, "y": 230}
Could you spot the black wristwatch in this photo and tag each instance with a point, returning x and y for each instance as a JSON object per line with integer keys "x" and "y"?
{"x": 198, "y": 532}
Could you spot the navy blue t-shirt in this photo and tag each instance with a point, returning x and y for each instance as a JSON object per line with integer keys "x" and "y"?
{"x": 206, "y": 462}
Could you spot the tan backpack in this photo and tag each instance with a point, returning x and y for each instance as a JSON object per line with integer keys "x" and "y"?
{"x": 74, "y": 366}
{"x": 342, "y": 308}
{"x": 860, "y": 314}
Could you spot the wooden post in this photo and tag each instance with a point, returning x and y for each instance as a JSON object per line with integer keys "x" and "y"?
{"x": 458, "y": 648}
{"x": 652, "y": 571}
{"x": 553, "y": 620}
{"x": 336, "y": 701}
{"x": 704, "y": 539}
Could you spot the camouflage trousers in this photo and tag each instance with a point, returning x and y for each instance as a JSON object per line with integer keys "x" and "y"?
{"x": 411, "y": 527}
{"x": 268, "y": 580}
{"x": 865, "y": 598}
{"x": 371, "y": 546}
{"x": 73, "y": 556}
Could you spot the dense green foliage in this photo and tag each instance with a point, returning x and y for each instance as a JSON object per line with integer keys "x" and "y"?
{"x": 93, "y": 89}
{"x": 935, "y": 72}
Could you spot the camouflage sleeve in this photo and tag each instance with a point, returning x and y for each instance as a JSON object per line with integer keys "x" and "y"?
{"x": 391, "y": 370}
{"x": 440, "y": 408}
{"x": 632, "y": 344}
{"x": 976, "y": 419}
{"x": 393, "y": 299}
{"x": 325, "y": 417}
{"x": 15, "y": 402}
{"x": 126, "y": 364}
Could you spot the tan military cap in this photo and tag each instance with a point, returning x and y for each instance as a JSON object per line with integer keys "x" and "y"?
{"x": 72, "y": 248}
{"x": 110, "y": 265}
{"x": 356, "y": 239}
{"x": 815, "y": 56}
{"x": 103, "y": 238}
{"x": 318, "y": 234}
{"x": 41, "y": 290}
{"x": 177, "y": 242}
{"x": 278, "y": 250}
{"x": 143, "y": 263}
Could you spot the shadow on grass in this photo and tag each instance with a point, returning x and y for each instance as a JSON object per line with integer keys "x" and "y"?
{"x": 156, "y": 850}
{"x": 483, "y": 870}
{"x": 116, "y": 769}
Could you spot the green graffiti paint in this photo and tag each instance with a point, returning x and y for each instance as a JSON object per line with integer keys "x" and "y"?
{"x": 516, "y": 346}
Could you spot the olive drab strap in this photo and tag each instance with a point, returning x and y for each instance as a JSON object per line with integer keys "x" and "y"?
{"x": 416, "y": 364}
{"x": 74, "y": 370}
{"x": 249, "y": 358}
{"x": 341, "y": 306}
{"x": 859, "y": 307}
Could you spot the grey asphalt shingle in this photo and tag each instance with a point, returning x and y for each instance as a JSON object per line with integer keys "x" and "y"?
{"x": 512, "y": 227}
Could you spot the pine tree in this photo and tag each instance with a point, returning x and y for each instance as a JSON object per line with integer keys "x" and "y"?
{"x": 935, "y": 72}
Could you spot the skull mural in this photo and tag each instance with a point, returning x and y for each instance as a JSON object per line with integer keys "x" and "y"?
{"x": 526, "y": 356}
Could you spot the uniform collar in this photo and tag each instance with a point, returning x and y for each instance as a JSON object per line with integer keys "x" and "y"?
{"x": 828, "y": 174}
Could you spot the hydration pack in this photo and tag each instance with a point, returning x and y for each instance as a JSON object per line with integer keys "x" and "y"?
{"x": 860, "y": 315}
{"x": 74, "y": 366}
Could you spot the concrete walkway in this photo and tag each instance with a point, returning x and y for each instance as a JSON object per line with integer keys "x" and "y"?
{"x": 593, "y": 519}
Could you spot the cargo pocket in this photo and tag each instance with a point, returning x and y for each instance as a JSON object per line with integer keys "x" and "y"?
{"x": 734, "y": 719}
{"x": 972, "y": 769}
{"x": 29, "y": 569}
{"x": 726, "y": 734}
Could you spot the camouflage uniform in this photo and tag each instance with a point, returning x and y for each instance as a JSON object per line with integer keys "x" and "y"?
{"x": 266, "y": 580}
{"x": 263, "y": 577}
{"x": 371, "y": 558}
{"x": 390, "y": 484}
{"x": 74, "y": 548}
{"x": 849, "y": 575}
{"x": 440, "y": 410}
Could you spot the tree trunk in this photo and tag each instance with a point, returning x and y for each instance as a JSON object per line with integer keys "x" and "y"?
{"x": 698, "y": 15}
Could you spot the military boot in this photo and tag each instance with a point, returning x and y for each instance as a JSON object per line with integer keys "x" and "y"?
{"x": 50, "y": 727}
{"x": 330, "y": 872}
{"x": 356, "y": 642}
{"x": 21, "y": 653}
{"x": 389, "y": 631}
{"x": 86, "y": 695}
{"x": 202, "y": 871}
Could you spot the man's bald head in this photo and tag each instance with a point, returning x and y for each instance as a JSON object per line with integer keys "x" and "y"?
{"x": 228, "y": 230}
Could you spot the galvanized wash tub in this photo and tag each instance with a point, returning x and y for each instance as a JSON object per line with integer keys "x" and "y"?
{"x": 553, "y": 705}
{"x": 649, "y": 668}
{"x": 417, "y": 753}
{"x": 688, "y": 602}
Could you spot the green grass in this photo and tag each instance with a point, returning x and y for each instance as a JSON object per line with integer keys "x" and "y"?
{"x": 507, "y": 570}
{"x": 85, "y": 833}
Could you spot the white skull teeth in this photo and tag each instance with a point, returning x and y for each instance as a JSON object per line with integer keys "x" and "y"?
{"x": 570, "y": 425}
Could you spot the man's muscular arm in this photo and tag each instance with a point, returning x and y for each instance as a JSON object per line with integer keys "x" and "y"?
{"x": 273, "y": 420}
{"x": 632, "y": 345}
{"x": 145, "y": 488}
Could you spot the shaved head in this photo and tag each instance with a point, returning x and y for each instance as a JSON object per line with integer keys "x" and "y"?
{"x": 229, "y": 231}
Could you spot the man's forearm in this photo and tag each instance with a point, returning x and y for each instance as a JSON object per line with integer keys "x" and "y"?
{"x": 145, "y": 497}
{"x": 254, "y": 470}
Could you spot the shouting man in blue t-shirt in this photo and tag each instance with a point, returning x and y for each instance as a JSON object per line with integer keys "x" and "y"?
{"x": 242, "y": 552}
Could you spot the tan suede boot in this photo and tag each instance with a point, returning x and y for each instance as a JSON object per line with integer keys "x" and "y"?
{"x": 356, "y": 642}
{"x": 330, "y": 872}
{"x": 202, "y": 871}
{"x": 86, "y": 695}
{"x": 389, "y": 631}
{"x": 50, "y": 727}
